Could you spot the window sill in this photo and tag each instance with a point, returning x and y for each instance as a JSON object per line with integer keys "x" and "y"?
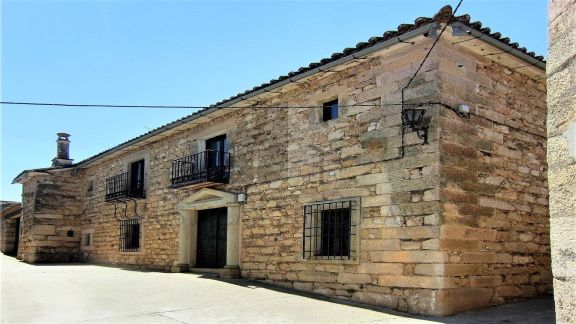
{"x": 131, "y": 253}
{"x": 332, "y": 261}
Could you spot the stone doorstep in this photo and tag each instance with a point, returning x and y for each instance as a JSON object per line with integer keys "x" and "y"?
{"x": 225, "y": 273}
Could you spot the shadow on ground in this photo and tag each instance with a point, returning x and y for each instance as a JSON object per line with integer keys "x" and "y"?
{"x": 538, "y": 310}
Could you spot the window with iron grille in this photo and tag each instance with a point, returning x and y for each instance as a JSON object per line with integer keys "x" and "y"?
{"x": 330, "y": 230}
{"x": 130, "y": 235}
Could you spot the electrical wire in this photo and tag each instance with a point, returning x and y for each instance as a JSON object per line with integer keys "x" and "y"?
{"x": 434, "y": 44}
{"x": 67, "y": 105}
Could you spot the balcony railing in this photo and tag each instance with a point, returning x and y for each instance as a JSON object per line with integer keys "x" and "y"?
{"x": 204, "y": 167}
{"x": 119, "y": 186}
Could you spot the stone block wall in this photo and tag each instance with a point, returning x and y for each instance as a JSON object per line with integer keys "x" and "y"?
{"x": 8, "y": 234}
{"x": 357, "y": 155}
{"x": 283, "y": 168}
{"x": 456, "y": 224}
{"x": 561, "y": 72}
{"x": 51, "y": 217}
{"x": 494, "y": 192}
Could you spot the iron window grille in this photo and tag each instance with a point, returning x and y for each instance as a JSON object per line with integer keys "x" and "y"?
{"x": 130, "y": 235}
{"x": 330, "y": 230}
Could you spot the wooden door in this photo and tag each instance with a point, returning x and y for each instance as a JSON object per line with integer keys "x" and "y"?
{"x": 212, "y": 227}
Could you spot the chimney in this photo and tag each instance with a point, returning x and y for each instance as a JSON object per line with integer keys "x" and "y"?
{"x": 62, "y": 155}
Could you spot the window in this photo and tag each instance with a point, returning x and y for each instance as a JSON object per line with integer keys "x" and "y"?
{"x": 130, "y": 235}
{"x": 90, "y": 187}
{"x": 136, "y": 184}
{"x": 330, "y": 230}
{"x": 330, "y": 110}
{"x": 87, "y": 239}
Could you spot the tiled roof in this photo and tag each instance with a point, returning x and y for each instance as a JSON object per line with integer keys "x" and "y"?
{"x": 4, "y": 204}
{"x": 442, "y": 16}
{"x": 9, "y": 209}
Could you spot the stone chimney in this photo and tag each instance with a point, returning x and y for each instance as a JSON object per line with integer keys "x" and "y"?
{"x": 62, "y": 151}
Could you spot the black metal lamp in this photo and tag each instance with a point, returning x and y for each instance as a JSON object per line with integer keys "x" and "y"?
{"x": 413, "y": 118}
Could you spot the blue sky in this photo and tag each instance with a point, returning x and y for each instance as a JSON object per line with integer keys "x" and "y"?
{"x": 180, "y": 53}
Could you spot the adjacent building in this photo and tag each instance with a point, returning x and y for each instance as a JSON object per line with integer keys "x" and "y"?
{"x": 10, "y": 213}
{"x": 353, "y": 177}
{"x": 562, "y": 154}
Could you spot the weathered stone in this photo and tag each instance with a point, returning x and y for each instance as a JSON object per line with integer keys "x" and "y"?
{"x": 379, "y": 299}
{"x": 434, "y": 228}
{"x": 44, "y": 229}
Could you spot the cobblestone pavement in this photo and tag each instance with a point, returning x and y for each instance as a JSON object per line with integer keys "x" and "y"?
{"x": 77, "y": 293}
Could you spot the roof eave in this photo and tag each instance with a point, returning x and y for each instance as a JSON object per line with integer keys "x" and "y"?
{"x": 500, "y": 45}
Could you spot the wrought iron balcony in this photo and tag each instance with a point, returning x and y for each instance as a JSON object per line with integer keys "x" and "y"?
{"x": 120, "y": 186}
{"x": 208, "y": 167}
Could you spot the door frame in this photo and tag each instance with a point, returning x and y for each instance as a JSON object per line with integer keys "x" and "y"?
{"x": 187, "y": 241}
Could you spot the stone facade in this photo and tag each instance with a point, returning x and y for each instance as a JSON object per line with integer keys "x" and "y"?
{"x": 10, "y": 214}
{"x": 456, "y": 224}
{"x": 561, "y": 70}
{"x": 494, "y": 191}
{"x": 50, "y": 228}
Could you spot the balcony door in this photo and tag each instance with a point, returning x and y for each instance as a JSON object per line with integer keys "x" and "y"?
{"x": 136, "y": 182}
{"x": 215, "y": 157}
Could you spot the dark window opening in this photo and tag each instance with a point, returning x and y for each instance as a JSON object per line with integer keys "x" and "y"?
{"x": 87, "y": 239}
{"x": 90, "y": 187}
{"x": 136, "y": 185}
{"x": 335, "y": 233}
{"x": 329, "y": 229}
{"x": 70, "y": 233}
{"x": 216, "y": 148}
{"x": 330, "y": 110}
{"x": 130, "y": 235}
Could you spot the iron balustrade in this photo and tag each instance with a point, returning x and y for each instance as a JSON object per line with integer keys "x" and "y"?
{"x": 207, "y": 166}
{"x": 119, "y": 186}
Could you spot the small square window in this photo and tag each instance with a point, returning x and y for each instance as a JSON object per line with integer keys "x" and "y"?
{"x": 330, "y": 110}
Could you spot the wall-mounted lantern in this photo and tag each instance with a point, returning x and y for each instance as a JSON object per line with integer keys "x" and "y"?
{"x": 414, "y": 118}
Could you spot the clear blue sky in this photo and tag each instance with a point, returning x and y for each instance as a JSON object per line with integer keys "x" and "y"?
{"x": 180, "y": 53}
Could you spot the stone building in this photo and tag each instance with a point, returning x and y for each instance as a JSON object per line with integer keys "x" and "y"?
{"x": 10, "y": 213}
{"x": 354, "y": 177}
{"x": 561, "y": 72}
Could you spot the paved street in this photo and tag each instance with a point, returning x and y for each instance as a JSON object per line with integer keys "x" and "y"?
{"x": 96, "y": 294}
